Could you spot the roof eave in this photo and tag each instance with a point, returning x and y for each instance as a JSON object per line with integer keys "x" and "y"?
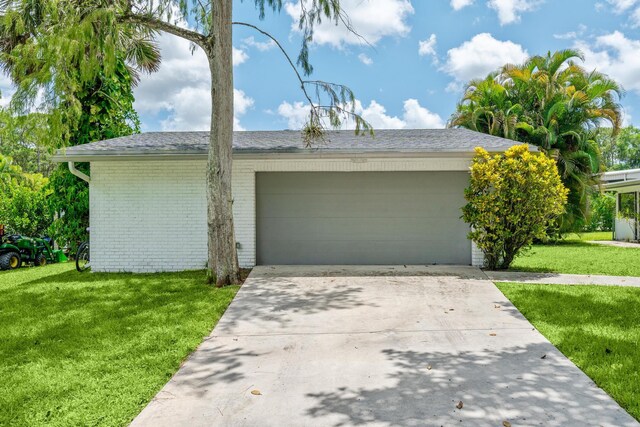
{"x": 114, "y": 155}
{"x": 622, "y": 184}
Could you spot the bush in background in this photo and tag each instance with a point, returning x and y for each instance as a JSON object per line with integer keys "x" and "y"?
{"x": 513, "y": 198}
{"x": 23, "y": 200}
{"x": 602, "y": 212}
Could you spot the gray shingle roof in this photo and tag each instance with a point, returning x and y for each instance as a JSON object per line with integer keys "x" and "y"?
{"x": 256, "y": 142}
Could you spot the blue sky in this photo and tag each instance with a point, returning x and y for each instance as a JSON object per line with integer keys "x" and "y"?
{"x": 421, "y": 54}
{"x": 461, "y": 39}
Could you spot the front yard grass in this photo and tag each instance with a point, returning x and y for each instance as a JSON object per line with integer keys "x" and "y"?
{"x": 579, "y": 257}
{"x": 595, "y": 326}
{"x": 592, "y": 235}
{"x": 93, "y": 349}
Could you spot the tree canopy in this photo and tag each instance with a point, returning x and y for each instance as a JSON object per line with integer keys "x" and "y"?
{"x": 106, "y": 106}
{"x": 622, "y": 150}
{"x": 552, "y": 102}
{"x": 75, "y": 106}
{"x": 23, "y": 201}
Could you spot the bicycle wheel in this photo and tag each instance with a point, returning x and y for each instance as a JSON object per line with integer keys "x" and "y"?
{"x": 82, "y": 258}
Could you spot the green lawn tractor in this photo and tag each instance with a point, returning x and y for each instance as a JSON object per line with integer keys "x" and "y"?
{"x": 16, "y": 250}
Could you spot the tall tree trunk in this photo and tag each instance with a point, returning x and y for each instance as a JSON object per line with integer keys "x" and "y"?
{"x": 223, "y": 258}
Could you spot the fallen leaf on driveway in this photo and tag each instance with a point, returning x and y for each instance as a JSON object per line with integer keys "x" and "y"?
{"x": 506, "y": 424}
{"x": 256, "y": 392}
{"x": 460, "y": 405}
{"x": 493, "y": 334}
{"x": 428, "y": 367}
{"x": 544, "y": 356}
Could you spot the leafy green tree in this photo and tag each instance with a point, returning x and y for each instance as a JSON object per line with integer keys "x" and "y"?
{"x": 622, "y": 150}
{"x": 107, "y": 112}
{"x": 602, "y": 208}
{"x": 512, "y": 199}
{"x": 24, "y": 138}
{"x": 97, "y": 30}
{"x": 54, "y": 55}
{"x": 81, "y": 106}
{"x": 553, "y": 103}
{"x": 23, "y": 200}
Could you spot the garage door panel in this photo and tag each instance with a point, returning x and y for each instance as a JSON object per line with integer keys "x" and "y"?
{"x": 361, "y": 229}
{"x": 383, "y": 252}
{"x": 356, "y": 205}
{"x": 354, "y": 182}
{"x": 361, "y": 218}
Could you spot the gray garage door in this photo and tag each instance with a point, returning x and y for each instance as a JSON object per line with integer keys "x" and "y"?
{"x": 361, "y": 218}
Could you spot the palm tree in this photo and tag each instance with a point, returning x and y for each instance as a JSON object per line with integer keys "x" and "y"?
{"x": 486, "y": 107}
{"x": 552, "y": 102}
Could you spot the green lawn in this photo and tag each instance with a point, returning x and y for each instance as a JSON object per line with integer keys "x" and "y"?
{"x": 93, "y": 349}
{"x": 595, "y": 326}
{"x": 576, "y": 256}
{"x": 594, "y": 236}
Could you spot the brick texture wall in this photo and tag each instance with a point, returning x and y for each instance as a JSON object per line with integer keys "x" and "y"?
{"x": 149, "y": 216}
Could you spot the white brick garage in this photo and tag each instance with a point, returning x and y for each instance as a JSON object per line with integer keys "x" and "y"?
{"x": 376, "y": 218}
{"x": 148, "y": 200}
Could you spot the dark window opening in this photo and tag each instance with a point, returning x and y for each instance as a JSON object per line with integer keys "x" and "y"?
{"x": 627, "y": 205}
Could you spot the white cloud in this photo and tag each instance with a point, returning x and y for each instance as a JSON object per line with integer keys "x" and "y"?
{"x": 365, "y": 59}
{"x": 566, "y": 36}
{"x": 428, "y": 46}
{"x": 622, "y": 5}
{"x": 241, "y": 104}
{"x": 372, "y": 19}
{"x": 615, "y": 55}
{"x": 631, "y": 8}
{"x": 413, "y": 116}
{"x": 454, "y": 87}
{"x": 571, "y": 35}
{"x": 296, "y": 114}
{"x": 627, "y": 119}
{"x": 460, "y": 4}
{"x": 417, "y": 117}
{"x": 180, "y": 90}
{"x": 261, "y": 46}
{"x": 481, "y": 55}
{"x": 239, "y": 56}
{"x": 635, "y": 18}
{"x": 509, "y": 11}
{"x": 377, "y": 116}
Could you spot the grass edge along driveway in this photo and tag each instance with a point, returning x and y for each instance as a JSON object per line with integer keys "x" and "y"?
{"x": 93, "y": 349}
{"x": 596, "y": 327}
{"x": 576, "y": 256}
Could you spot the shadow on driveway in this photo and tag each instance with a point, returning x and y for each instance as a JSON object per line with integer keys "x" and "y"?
{"x": 329, "y": 346}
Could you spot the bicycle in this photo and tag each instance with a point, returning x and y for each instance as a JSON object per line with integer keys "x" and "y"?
{"x": 82, "y": 256}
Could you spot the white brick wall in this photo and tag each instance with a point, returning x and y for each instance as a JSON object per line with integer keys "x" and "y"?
{"x": 151, "y": 215}
{"x": 477, "y": 256}
{"x": 148, "y": 216}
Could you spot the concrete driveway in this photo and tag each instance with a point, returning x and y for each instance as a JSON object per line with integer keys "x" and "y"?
{"x": 384, "y": 346}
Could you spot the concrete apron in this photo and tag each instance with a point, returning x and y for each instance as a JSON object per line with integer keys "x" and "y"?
{"x": 381, "y": 346}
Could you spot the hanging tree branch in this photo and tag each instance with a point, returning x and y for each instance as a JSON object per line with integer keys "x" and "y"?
{"x": 339, "y": 97}
{"x": 284, "y": 52}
